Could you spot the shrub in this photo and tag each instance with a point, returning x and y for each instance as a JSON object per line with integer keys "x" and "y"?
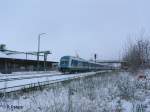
{"x": 126, "y": 87}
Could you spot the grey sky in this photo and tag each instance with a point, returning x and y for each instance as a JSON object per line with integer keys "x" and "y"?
{"x": 82, "y": 26}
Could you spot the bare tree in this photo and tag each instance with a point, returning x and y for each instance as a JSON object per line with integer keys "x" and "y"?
{"x": 137, "y": 54}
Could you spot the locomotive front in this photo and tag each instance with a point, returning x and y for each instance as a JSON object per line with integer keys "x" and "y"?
{"x": 64, "y": 65}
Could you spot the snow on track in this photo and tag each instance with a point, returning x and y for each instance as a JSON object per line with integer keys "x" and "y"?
{"x": 26, "y": 83}
{"x": 22, "y": 77}
{"x": 17, "y": 74}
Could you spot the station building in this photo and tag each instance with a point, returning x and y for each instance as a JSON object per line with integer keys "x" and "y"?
{"x": 18, "y": 63}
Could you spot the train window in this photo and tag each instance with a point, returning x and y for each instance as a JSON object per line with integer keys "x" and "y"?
{"x": 74, "y": 63}
{"x": 85, "y": 64}
{"x": 90, "y": 65}
{"x": 81, "y": 63}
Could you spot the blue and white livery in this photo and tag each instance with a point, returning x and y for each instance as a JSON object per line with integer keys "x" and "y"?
{"x": 73, "y": 64}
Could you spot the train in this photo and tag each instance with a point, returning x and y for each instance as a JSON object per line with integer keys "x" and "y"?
{"x": 72, "y": 64}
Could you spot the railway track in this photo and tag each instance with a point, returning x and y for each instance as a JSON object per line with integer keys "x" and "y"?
{"x": 30, "y": 73}
{"x": 30, "y": 77}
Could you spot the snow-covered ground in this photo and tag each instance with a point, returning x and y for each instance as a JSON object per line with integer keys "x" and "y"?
{"x": 16, "y": 82}
{"x": 106, "y": 92}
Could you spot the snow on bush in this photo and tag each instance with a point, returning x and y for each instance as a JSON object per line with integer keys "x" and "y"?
{"x": 126, "y": 87}
{"x": 111, "y": 92}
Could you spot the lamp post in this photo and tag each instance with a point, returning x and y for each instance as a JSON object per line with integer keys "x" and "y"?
{"x": 39, "y": 38}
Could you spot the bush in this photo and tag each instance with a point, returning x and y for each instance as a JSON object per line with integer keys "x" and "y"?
{"x": 126, "y": 87}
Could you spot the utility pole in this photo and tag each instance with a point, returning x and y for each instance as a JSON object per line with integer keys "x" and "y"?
{"x": 39, "y": 38}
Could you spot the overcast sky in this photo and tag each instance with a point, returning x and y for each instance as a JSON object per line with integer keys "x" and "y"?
{"x": 72, "y": 26}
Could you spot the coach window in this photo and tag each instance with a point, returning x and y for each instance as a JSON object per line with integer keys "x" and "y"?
{"x": 74, "y": 63}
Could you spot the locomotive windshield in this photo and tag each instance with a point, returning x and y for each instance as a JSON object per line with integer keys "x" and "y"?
{"x": 64, "y": 62}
